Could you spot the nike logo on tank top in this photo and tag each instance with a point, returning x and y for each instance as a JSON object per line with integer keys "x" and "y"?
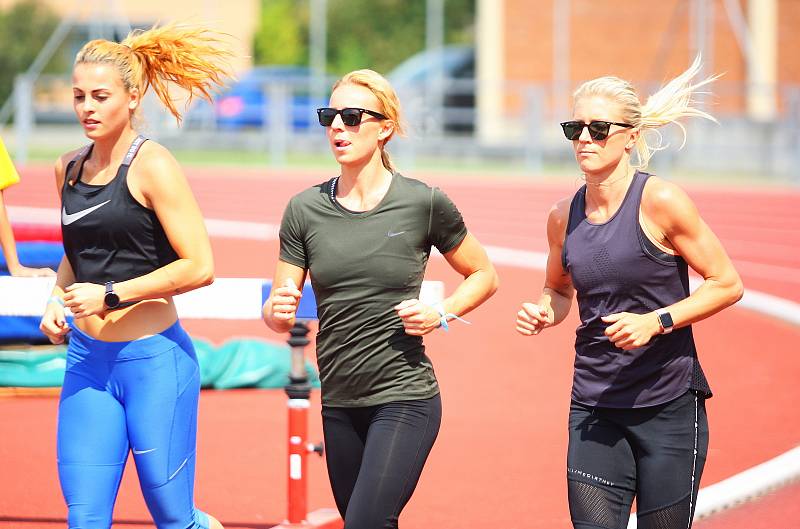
{"x": 107, "y": 234}
{"x": 616, "y": 268}
{"x": 67, "y": 218}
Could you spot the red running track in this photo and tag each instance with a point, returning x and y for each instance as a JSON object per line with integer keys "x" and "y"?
{"x": 499, "y": 460}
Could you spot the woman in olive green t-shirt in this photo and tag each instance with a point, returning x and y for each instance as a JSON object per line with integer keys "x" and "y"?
{"x": 365, "y": 237}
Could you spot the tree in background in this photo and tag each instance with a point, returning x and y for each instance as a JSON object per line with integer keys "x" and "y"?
{"x": 282, "y": 37}
{"x": 380, "y": 34}
{"x": 24, "y": 29}
{"x": 377, "y": 34}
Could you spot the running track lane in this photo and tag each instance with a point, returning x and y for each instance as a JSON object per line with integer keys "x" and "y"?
{"x": 757, "y": 226}
{"x": 499, "y": 458}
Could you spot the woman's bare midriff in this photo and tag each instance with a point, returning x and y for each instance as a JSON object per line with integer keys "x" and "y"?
{"x": 141, "y": 320}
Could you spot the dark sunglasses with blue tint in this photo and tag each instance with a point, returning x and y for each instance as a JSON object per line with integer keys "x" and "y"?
{"x": 598, "y": 130}
{"x": 350, "y": 116}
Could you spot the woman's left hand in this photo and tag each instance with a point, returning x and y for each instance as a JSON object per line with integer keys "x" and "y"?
{"x": 85, "y": 299}
{"x": 418, "y": 318}
{"x": 26, "y": 271}
{"x": 629, "y": 331}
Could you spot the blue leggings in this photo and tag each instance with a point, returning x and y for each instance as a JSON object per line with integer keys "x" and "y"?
{"x": 120, "y": 396}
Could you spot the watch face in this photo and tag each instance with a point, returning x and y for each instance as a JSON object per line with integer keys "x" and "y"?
{"x": 111, "y": 300}
{"x": 666, "y": 320}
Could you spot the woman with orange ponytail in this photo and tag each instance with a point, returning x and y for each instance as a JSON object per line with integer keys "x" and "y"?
{"x": 133, "y": 238}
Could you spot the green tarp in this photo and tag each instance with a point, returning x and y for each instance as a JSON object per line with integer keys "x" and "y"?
{"x": 238, "y": 363}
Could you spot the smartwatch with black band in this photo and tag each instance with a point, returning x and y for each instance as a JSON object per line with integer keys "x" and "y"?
{"x": 111, "y": 298}
{"x": 665, "y": 320}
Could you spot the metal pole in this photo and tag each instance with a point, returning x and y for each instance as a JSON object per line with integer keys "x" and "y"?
{"x": 41, "y": 60}
{"x": 23, "y": 116}
{"x": 318, "y": 47}
{"x": 277, "y": 121}
{"x": 701, "y": 42}
{"x": 434, "y": 41}
{"x": 702, "y": 34}
{"x": 533, "y": 137}
{"x": 561, "y": 55}
{"x": 793, "y": 121}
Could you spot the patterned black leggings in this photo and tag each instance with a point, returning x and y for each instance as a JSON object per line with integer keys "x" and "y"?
{"x": 655, "y": 453}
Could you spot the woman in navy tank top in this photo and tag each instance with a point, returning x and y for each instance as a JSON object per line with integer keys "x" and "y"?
{"x": 623, "y": 244}
{"x": 133, "y": 237}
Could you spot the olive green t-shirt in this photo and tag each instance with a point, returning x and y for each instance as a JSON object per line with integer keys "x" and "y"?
{"x": 361, "y": 265}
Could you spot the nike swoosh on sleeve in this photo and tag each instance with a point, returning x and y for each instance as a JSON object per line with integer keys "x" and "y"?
{"x": 69, "y": 218}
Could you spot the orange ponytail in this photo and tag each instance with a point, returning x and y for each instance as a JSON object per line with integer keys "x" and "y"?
{"x": 194, "y": 58}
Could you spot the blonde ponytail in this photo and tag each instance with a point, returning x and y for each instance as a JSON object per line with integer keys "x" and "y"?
{"x": 668, "y": 105}
{"x": 194, "y": 58}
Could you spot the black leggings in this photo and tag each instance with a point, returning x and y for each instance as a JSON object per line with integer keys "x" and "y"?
{"x": 375, "y": 457}
{"x": 655, "y": 453}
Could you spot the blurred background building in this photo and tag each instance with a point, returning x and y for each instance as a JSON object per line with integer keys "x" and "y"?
{"x": 481, "y": 81}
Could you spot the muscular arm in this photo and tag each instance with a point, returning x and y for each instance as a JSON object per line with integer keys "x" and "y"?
{"x": 65, "y": 276}
{"x": 480, "y": 278}
{"x": 556, "y": 299}
{"x": 672, "y": 217}
{"x": 469, "y": 259}
{"x": 558, "y": 290}
{"x": 162, "y": 183}
{"x": 671, "y": 210}
{"x": 53, "y": 322}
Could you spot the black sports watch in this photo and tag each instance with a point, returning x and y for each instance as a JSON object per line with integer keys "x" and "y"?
{"x": 665, "y": 320}
{"x": 111, "y": 298}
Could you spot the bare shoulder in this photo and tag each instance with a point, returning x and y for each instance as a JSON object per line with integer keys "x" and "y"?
{"x": 666, "y": 203}
{"x": 60, "y": 167}
{"x": 155, "y": 159}
{"x": 558, "y": 216}
{"x": 155, "y": 168}
{"x": 557, "y": 220}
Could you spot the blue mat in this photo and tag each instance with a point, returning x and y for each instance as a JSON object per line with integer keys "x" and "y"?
{"x": 36, "y": 255}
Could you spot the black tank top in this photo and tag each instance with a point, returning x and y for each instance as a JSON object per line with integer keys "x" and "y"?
{"x": 107, "y": 234}
{"x": 616, "y": 268}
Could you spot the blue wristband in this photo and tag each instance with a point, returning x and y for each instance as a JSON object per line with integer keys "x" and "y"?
{"x": 444, "y": 316}
{"x": 55, "y": 299}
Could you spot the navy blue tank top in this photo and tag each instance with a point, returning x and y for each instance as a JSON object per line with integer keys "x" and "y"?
{"x": 616, "y": 268}
{"x": 107, "y": 234}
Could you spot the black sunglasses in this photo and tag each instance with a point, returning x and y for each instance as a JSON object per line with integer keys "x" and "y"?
{"x": 598, "y": 130}
{"x": 350, "y": 116}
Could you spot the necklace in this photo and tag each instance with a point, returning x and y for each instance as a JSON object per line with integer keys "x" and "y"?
{"x": 333, "y": 188}
{"x": 606, "y": 184}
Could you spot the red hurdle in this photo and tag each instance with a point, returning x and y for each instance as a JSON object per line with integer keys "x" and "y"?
{"x": 299, "y": 390}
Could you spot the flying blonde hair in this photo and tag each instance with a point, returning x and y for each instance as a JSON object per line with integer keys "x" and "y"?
{"x": 194, "y": 58}
{"x": 669, "y": 104}
{"x": 387, "y": 98}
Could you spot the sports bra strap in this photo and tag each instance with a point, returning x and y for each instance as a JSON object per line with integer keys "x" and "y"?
{"x": 82, "y": 153}
{"x": 134, "y": 148}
